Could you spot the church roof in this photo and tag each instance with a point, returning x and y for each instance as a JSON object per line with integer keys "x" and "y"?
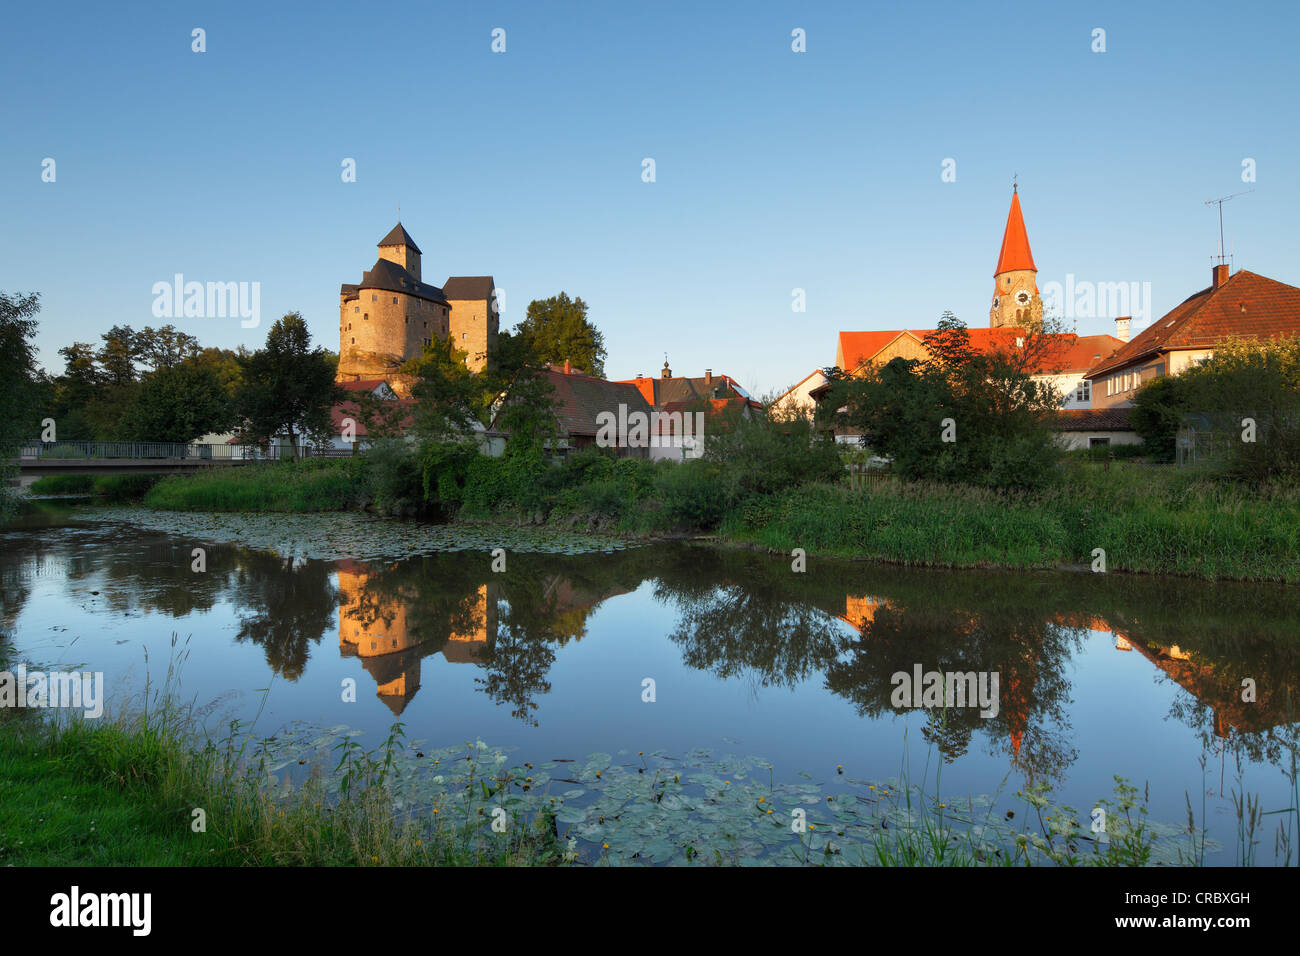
{"x": 1015, "y": 252}
{"x": 398, "y": 236}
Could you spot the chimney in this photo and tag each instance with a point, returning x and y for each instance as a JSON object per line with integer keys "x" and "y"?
{"x": 1121, "y": 327}
{"x": 1219, "y": 276}
{"x": 568, "y": 367}
{"x": 708, "y": 376}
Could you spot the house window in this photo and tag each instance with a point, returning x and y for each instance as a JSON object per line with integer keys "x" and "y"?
{"x": 354, "y": 341}
{"x": 356, "y": 308}
{"x": 1084, "y": 392}
{"x": 408, "y": 320}
{"x": 394, "y": 300}
{"x": 426, "y": 325}
{"x": 366, "y": 316}
{"x": 464, "y": 335}
{"x": 428, "y": 342}
{"x": 374, "y": 298}
{"x": 1098, "y": 442}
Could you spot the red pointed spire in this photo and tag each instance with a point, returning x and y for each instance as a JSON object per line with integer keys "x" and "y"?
{"x": 1015, "y": 252}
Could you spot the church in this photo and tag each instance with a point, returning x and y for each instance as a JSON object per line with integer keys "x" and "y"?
{"x": 392, "y": 314}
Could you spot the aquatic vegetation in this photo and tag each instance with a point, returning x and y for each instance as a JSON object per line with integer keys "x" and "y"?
{"x": 338, "y": 535}
{"x": 707, "y": 808}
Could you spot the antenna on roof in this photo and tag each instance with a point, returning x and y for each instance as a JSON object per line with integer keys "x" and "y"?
{"x": 1220, "y": 201}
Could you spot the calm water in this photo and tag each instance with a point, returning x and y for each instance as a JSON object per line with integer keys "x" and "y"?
{"x": 1099, "y": 675}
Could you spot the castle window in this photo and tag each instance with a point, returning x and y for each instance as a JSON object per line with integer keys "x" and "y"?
{"x": 356, "y": 308}
{"x": 354, "y": 341}
{"x": 426, "y": 325}
{"x": 428, "y": 342}
{"x": 464, "y": 335}
{"x": 366, "y": 316}
{"x": 394, "y": 300}
{"x": 408, "y": 320}
{"x": 374, "y": 298}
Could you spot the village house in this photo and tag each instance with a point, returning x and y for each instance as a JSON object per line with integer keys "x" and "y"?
{"x": 1242, "y": 306}
{"x": 713, "y": 398}
{"x": 1063, "y": 362}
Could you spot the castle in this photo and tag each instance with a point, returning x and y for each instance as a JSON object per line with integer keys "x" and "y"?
{"x": 392, "y": 314}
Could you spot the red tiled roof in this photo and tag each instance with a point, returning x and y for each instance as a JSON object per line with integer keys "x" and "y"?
{"x": 1246, "y": 305}
{"x": 1075, "y": 353}
{"x": 580, "y": 397}
{"x": 1094, "y": 420}
{"x": 350, "y": 409}
{"x": 680, "y": 388}
{"x": 857, "y": 348}
{"x": 1015, "y": 252}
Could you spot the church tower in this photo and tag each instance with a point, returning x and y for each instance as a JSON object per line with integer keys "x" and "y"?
{"x": 1016, "y": 301}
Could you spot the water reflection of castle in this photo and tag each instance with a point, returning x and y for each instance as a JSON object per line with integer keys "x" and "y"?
{"x": 378, "y": 631}
{"x": 377, "y": 626}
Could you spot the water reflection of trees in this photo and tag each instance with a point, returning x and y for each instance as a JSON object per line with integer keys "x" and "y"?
{"x": 739, "y": 615}
{"x": 286, "y": 605}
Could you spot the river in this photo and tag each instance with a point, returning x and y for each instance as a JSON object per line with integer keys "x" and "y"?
{"x": 674, "y": 647}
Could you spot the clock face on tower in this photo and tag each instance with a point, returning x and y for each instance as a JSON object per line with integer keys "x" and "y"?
{"x": 1022, "y": 297}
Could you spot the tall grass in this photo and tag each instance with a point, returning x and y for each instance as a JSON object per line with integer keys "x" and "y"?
{"x": 313, "y": 484}
{"x": 1161, "y": 521}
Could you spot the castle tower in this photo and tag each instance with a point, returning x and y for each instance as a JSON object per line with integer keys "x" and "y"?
{"x": 399, "y": 247}
{"x": 1016, "y": 301}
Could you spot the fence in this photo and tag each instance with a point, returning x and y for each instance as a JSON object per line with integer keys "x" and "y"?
{"x": 161, "y": 451}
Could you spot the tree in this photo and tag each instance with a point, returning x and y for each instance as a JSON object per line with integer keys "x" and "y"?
{"x": 20, "y": 398}
{"x": 449, "y": 397}
{"x": 521, "y": 394}
{"x": 960, "y": 416}
{"x": 1157, "y": 414}
{"x": 557, "y": 329}
{"x": 180, "y": 403}
{"x": 288, "y": 387}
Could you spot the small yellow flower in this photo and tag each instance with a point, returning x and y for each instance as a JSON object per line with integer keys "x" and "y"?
{"x": 605, "y": 845}
{"x": 872, "y": 786}
{"x": 812, "y": 826}
{"x": 375, "y": 859}
{"x": 944, "y": 805}
{"x": 762, "y": 799}
{"x": 727, "y": 782}
{"x": 597, "y": 774}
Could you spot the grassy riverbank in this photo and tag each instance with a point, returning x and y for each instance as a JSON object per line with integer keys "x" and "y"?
{"x": 125, "y": 792}
{"x": 1147, "y": 519}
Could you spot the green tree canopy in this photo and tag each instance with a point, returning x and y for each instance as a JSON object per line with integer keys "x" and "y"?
{"x": 288, "y": 387}
{"x": 557, "y": 330}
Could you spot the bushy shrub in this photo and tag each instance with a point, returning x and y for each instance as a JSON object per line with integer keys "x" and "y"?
{"x": 693, "y": 494}
{"x": 759, "y": 456}
{"x": 396, "y": 478}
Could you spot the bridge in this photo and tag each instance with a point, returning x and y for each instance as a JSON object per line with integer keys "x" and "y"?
{"x": 119, "y": 457}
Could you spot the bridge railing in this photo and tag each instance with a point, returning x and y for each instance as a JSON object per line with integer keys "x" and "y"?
{"x": 168, "y": 451}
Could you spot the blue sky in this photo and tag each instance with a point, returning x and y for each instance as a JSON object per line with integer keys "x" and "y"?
{"x": 775, "y": 170}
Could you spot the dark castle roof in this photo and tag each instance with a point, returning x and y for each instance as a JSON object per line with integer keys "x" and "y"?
{"x": 398, "y": 236}
{"x": 469, "y": 287}
{"x": 390, "y": 277}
